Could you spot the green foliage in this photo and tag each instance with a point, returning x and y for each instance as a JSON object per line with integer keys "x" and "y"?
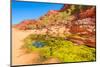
{"x": 62, "y": 49}
{"x": 73, "y": 53}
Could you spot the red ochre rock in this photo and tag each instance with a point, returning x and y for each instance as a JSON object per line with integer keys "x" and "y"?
{"x": 91, "y": 42}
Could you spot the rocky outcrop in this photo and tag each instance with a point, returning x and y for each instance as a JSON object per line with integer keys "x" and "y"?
{"x": 91, "y": 12}
{"x": 83, "y": 27}
{"x": 27, "y": 24}
{"x": 91, "y": 41}
{"x": 82, "y": 23}
{"x": 52, "y": 12}
{"x": 65, "y": 7}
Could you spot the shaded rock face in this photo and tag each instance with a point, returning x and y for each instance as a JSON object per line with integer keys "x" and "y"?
{"x": 64, "y": 7}
{"x": 90, "y": 41}
{"x": 88, "y": 11}
{"x": 84, "y": 26}
{"x": 91, "y": 12}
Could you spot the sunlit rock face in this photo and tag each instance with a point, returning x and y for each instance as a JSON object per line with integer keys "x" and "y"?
{"x": 52, "y": 12}
{"x": 80, "y": 21}
{"x": 23, "y": 25}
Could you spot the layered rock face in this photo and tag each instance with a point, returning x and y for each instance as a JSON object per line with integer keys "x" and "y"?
{"x": 70, "y": 20}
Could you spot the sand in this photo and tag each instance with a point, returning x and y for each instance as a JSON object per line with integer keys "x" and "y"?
{"x": 19, "y": 56}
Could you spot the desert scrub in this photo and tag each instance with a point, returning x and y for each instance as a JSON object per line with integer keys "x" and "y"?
{"x": 72, "y": 53}
{"x": 59, "y": 47}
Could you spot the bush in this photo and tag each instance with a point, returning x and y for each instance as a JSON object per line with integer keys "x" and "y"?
{"x": 62, "y": 49}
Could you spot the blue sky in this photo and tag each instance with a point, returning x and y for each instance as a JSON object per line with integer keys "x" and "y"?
{"x": 30, "y": 10}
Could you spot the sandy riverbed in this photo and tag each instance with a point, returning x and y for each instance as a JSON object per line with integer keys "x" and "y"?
{"x": 19, "y": 56}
